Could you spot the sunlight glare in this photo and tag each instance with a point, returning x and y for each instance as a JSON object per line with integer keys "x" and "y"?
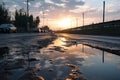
{"x": 60, "y": 41}
{"x": 65, "y": 23}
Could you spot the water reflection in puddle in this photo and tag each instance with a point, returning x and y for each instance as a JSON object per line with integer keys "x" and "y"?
{"x": 95, "y": 64}
{"x": 65, "y": 59}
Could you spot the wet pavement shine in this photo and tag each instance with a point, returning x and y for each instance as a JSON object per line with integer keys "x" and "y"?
{"x": 51, "y": 57}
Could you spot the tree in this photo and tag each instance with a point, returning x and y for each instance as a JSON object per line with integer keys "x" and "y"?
{"x": 37, "y": 21}
{"x": 21, "y": 20}
{"x": 31, "y": 21}
{"x": 45, "y": 29}
{"x": 16, "y": 18}
{"x": 4, "y": 15}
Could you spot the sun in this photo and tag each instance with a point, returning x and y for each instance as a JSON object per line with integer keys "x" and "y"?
{"x": 64, "y": 23}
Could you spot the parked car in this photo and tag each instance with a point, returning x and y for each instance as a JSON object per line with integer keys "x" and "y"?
{"x": 7, "y": 28}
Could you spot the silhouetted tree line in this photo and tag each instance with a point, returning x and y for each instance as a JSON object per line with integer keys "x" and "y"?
{"x": 4, "y": 15}
{"x": 21, "y": 19}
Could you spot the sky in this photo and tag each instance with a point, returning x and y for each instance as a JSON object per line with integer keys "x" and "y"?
{"x": 63, "y": 14}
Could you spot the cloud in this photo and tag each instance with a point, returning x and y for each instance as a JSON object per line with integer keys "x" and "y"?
{"x": 62, "y": 8}
{"x": 72, "y": 3}
{"x": 61, "y": 5}
{"x": 57, "y": 1}
{"x": 37, "y": 5}
{"x": 49, "y": 1}
{"x": 112, "y": 11}
{"x": 113, "y": 7}
{"x": 65, "y": 1}
{"x": 81, "y": 9}
{"x": 79, "y": 0}
{"x": 69, "y": 4}
{"x": 14, "y": 6}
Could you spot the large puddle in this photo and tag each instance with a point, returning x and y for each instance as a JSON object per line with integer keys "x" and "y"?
{"x": 61, "y": 59}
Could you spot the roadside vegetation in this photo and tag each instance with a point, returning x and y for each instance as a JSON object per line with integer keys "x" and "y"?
{"x": 111, "y": 28}
{"x": 20, "y": 19}
{"x": 4, "y": 15}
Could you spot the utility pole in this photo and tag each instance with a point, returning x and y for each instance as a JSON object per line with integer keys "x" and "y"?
{"x": 71, "y": 23}
{"x": 103, "y": 55}
{"x": 28, "y": 26}
{"x": 76, "y": 22}
{"x": 83, "y": 18}
{"x": 27, "y": 15}
{"x": 103, "y": 11}
{"x": 43, "y": 17}
{"x": 47, "y": 21}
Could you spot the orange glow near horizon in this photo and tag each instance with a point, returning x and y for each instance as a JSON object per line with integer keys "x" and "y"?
{"x": 61, "y": 23}
{"x": 64, "y": 23}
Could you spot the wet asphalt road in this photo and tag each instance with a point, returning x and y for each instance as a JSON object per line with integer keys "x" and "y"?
{"x": 6, "y": 37}
{"x": 40, "y": 55}
{"x": 28, "y": 39}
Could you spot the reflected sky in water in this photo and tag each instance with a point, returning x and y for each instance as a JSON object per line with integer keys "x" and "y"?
{"x": 63, "y": 57}
{"x": 94, "y": 64}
